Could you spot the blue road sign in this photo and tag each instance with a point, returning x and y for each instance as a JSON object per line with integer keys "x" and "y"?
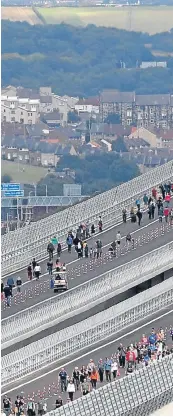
{"x": 13, "y": 193}
{"x": 10, "y": 187}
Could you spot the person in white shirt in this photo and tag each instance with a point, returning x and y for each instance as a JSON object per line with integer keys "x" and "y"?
{"x": 114, "y": 369}
{"x": 118, "y": 238}
{"x": 71, "y": 390}
{"x": 37, "y": 271}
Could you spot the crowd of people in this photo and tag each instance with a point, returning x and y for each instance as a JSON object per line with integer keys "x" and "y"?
{"x": 84, "y": 379}
{"x": 159, "y": 200}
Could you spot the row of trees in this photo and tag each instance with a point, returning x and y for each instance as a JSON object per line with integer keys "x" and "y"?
{"x": 82, "y": 61}
{"x": 99, "y": 172}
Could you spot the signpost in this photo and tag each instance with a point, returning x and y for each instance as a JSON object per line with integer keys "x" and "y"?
{"x": 12, "y": 190}
{"x": 14, "y": 194}
{"x": 10, "y": 187}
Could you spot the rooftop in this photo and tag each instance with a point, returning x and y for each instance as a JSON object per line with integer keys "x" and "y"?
{"x": 114, "y": 96}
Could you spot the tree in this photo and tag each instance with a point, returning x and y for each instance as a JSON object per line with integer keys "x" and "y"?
{"x": 119, "y": 145}
{"x": 73, "y": 117}
{"x": 6, "y": 178}
{"x": 113, "y": 118}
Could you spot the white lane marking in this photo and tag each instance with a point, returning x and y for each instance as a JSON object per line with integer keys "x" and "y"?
{"x": 85, "y": 354}
{"x": 77, "y": 260}
{"x": 80, "y": 285}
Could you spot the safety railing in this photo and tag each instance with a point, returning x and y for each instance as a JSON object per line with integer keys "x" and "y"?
{"x": 20, "y": 246}
{"x": 88, "y": 265}
{"x": 139, "y": 394}
{"x": 72, "y": 339}
{"x": 93, "y": 292}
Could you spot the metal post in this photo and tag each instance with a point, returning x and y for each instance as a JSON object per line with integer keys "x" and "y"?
{"x": 18, "y": 218}
{"x": 47, "y": 209}
{"x": 7, "y": 223}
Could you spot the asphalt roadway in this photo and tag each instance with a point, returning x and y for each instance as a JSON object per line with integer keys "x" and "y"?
{"x": 45, "y": 379}
{"x": 72, "y": 262}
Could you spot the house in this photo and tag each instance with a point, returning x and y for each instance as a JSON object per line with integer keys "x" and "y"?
{"x": 89, "y": 105}
{"x": 137, "y": 144}
{"x": 166, "y": 137}
{"x": 63, "y": 150}
{"x": 52, "y": 119}
{"x": 23, "y": 155}
{"x": 147, "y": 135}
{"x": 49, "y": 159}
{"x": 37, "y": 131}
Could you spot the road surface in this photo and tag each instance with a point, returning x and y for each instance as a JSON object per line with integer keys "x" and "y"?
{"x": 46, "y": 380}
{"x": 73, "y": 263}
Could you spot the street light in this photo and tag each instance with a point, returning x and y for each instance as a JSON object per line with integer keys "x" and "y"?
{"x": 30, "y": 193}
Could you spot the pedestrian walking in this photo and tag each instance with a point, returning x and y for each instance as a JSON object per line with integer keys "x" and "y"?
{"x": 7, "y": 294}
{"x": 50, "y": 267}
{"x": 29, "y": 270}
{"x": 118, "y": 238}
{"x": 85, "y": 387}
{"x": 101, "y": 369}
{"x": 139, "y": 216}
{"x": 37, "y": 271}
{"x": 94, "y": 378}
{"x": 18, "y": 284}
{"x": 71, "y": 390}
{"x": 114, "y": 369}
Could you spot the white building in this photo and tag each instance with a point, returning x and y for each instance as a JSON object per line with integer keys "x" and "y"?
{"x": 21, "y": 110}
{"x": 89, "y": 105}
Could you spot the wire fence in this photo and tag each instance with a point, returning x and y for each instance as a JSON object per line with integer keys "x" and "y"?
{"x": 19, "y": 246}
{"x": 72, "y": 339}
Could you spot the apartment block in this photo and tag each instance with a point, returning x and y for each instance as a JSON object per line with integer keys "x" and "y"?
{"x": 141, "y": 110}
{"x": 20, "y": 110}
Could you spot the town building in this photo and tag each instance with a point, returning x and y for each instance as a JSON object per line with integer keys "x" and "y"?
{"x": 155, "y": 110}
{"x": 88, "y": 105}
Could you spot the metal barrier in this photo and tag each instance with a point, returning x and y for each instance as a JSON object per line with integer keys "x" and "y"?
{"x": 93, "y": 292}
{"x": 20, "y": 246}
{"x": 90, "y": 264}
{"x": 139, "y": 394}
{"x": 72, "y": 339}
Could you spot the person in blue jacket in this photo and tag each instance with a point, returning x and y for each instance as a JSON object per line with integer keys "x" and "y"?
{"x": 152, "y": 338}
{"x": 107, "y": 368}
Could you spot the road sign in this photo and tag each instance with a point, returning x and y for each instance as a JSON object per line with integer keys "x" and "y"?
{"x": 10, "y": 187}
{"x": 13, "y": 193}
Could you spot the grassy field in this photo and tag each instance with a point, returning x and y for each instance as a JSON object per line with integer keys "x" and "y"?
{"x": 145, "y": 19}
{"x": 25, "y": 174}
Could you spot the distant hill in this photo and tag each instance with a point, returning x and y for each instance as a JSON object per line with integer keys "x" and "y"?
{"x": 151, "y": 19}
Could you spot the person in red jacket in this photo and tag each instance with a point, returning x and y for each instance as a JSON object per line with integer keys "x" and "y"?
{"x": 130, "y": 356}
{"x": 168, "y": 198}
{"x": 144, "y": 340}
{"x": 154, "y": 193}
{"x": 166, "y": 214}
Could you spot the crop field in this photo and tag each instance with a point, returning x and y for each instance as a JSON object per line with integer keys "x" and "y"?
{"x": 20, "y": 14}
{"x": 145, "y": 19}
